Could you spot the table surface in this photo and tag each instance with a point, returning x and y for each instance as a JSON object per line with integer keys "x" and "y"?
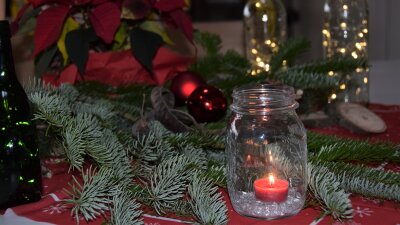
{"x": 366, "y": 211}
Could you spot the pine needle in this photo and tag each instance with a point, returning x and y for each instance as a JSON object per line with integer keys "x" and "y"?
{"x": 124, "y": 211}
{"x": 91, "y": 199}
{"x": 168, "y": 183}
{"x": 206, "y": 202}
{"x": 366, "y": 181}
{"x": 332, "y": 148}
{"x": 306, "y": 80}
{"x": 340, "y": 64}
{"x": 288, "y": 51}
{"x": 326, "y": 188}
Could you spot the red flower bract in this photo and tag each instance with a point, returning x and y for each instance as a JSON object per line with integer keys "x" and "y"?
{"x": 139, "y": 8}
{"x": 104, "y": 17}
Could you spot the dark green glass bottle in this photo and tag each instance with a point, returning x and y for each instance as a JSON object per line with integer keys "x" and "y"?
{"x": 20, "y": 172}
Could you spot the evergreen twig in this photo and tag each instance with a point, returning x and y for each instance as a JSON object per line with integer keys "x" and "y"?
{"x": 365, "y": 180}
{"x": 326, "y": 188}
{"x": 91, "y": 199}
{"x": 168, "y": 183}
{"x": 206, "y": 202}
{"x": 306, "y": 80}
{"x": 124, "y": 211}
{"x": 332, "y": 148}
{"x": 288, "y": 51}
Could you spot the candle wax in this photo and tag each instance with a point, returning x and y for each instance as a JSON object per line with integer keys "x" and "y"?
{"x": 271, "y": 192}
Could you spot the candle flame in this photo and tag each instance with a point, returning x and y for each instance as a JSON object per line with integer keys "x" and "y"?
{"x": 271, "y": 179}
{"x": 248, "y": 158}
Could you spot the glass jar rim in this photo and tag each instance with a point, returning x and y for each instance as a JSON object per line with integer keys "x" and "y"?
{"x": 263, "y": 98}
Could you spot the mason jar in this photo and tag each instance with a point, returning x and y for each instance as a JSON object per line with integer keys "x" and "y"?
{"x": 345, "y": 34}
{"x": 264, "y": 30}
{"x": 266, "y": 152}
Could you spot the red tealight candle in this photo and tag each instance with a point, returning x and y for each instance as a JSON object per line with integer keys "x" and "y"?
{"x": 271, "y": 190}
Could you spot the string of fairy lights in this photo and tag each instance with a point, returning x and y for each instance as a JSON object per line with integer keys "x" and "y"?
{"x": 343, "y": 36}
{"x": 263, "y": 32}
{"x": 347, "y": 38}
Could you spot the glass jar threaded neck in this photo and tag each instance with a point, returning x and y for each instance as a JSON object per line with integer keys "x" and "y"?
{"x": 261, "y": 99}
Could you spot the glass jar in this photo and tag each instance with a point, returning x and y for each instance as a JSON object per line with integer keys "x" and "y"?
{"x": 265, "y": 29}
{"x": 266, "y": 152}
{"x": 345, "y": 34}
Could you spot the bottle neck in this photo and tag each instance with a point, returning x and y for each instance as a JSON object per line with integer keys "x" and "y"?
{"x": 7, "y": 69}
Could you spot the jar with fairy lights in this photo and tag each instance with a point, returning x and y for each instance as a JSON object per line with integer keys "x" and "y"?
{"x": 345, "y": 34}
{"x": 264, "y": 29}
{"x": 266, "y": 152}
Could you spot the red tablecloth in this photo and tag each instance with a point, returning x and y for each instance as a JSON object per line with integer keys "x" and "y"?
{"x": 50, "y": 210}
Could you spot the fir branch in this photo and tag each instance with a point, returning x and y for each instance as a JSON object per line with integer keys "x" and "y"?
{"x": 91, "y": 199}
{"x": 37, "y": 86}
{"x": 234, "y": 64}
{"x": 168, "y": 182}
{"x": 198, "y": 139}
{"x": 74, "y": 146}
{"x": 68, "y": 92}
{"x": 150, "y": 148}
{"x": 217, "y": 174}
{"x": 52, "y": 109}
{"x": 141, "y": 193}
{"x": 332, "y": 148}
{"x": 210, "y": 42}
{"x": 124, "y": 210}
{"x": 306, "y": 80}
{"x": 80, "y": 133}
{"x": 101, "y": 109}
{"x": 159, "y": 130}
{"x": 365, "y": 180}
{"x": 282, "y": 163}
{"x": 339, "y": 64}
{"x": 109, "y": 152}
{"x": 196, "y": 155}
{"x": 206, "y": 202}
{"x": 230, "y": 67}
{"x": 288, "y": 51}
{"x": 326, "y": 188}
{"x": 182, "y": 208}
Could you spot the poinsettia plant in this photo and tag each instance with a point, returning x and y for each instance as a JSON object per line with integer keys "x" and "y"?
{"x": 66, "y": 31}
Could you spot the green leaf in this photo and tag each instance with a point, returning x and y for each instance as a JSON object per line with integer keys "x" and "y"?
{"x": 158, "y": 28}
{"x": 120, "y": 37}
{"x": 144, "y": 45}
{"x": 43, "y": 61}
{"x": 77, "y": 43}
{"x": 27, "y": 27}
{"x": 70, "y": 25}
{"x": 28, "y": 16}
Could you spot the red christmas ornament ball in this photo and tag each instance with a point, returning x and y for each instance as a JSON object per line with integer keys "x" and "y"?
{"x": 183, "y": 84}
{"x": 207, "y": 104}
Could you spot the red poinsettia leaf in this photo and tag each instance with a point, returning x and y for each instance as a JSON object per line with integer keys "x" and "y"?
{"x": 105, "y": 19}
{"x": 48, "y": 27}
{"x": 169, "y": 5}
{"x": 37, "y": 3}
{"x": 139, "y": 8}
{"x": 98, "y": 2}
{"x": 182, "y": 20}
